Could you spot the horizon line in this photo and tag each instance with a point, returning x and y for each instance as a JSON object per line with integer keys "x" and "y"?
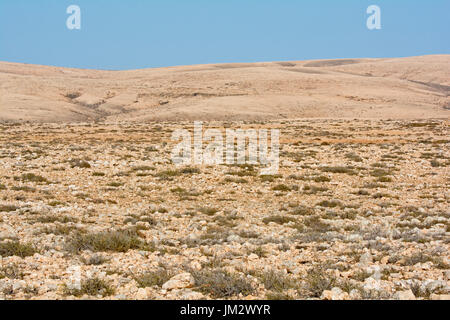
{"x": 218, "y": 63}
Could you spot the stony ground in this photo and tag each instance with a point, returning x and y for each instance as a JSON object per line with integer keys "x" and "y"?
{"x": 359, "y": 210}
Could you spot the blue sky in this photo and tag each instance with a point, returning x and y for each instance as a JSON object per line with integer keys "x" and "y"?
{"x": 132, "y": 34}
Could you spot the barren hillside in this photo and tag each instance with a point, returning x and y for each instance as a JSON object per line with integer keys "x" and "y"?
{"x": 402, "y": 88}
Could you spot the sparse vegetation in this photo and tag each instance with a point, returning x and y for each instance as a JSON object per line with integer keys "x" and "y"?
{"x": 281, "y": 187}
{"x": 16, "y": 248}
{"x": 278, "y": 219}
{"x": 353, "y": 201}
{"x": 276, "y": 281}
{"x": 8, "y": 208}
{"x": 11, "y": 271}
{"x": 113, "y": 241}
{"x": 79, "y": 163}
{"x": 208, "y": 210}
{"x": 317, "y": 281}
{"x": 153, "y": 278}
{"x": 31, "y": 177}
{"x": 91, "y": 287}
{"x": 221, "y": 284}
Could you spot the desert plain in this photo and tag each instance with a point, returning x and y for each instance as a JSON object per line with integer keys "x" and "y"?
{"x": 92, "y": 206}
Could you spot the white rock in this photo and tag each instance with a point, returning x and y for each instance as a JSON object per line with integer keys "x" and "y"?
{"x": 433, "y": 285}
{"x": 355, "y": 295}
{"x": 365, "y": 259}
{"x": 447, "y": 275}
{"x": 253, "y": 257}
{"x": 440, "y": 297}
{"x": 375, "y": 271}
{"x": 334, "y": 294}
{"x": 354, "y": 237}
{"x": 18, "y": 285}
{"x": 196, "y": 265}
{"x": 233, "y": 238}
{"x": 51, "y": 286}
{"x": 180, "y": 281}
{"x": 191, "y": 295}
{"x": 141, "y": 294}
{"x": 8, "y": 233}
{"x": 372, "y": 284}
{"x": 404, "y": 295}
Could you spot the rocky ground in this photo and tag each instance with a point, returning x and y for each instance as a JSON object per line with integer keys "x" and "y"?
{"x": 359, "y": 210}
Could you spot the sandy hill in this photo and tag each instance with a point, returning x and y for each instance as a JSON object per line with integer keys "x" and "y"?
{"x": 414, "y": 87}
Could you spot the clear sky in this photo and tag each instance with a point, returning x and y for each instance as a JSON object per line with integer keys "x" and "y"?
{"x": 132, "y": 34}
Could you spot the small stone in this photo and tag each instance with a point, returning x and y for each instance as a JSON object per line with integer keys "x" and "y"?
{"x": 143, "y": 253}
{"x": 376, "y": 272}
{"x": 365, "y": 259}
{"x": 435, "y": 285}
{"x": 384, "y": 260}
{"x": 404, "y": 295}
{"x": 326, "y": 295}
{"x": 52, "y": 286}
{"x": 191, "y": 295}
{"x": 8, "y": 233}
{"x": 180, "y": 281}
{"x": 354, "y": 237}
{"x": 334, "y": 294}
{"x": 196, "y": 265}
{"x": 141, "y": 294}
{"x": 447, "y": 275}
{"x": 18, "y": 285}
{"x": 233, "y": 238}
{"x": 253, "y": 257}
{"x": 440, "y": 296}
{"x": 372, "y": 284}
{"x": 355, "y": 295}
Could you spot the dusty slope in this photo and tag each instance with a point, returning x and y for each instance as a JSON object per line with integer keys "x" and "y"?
{"x": 416, "y": 87}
